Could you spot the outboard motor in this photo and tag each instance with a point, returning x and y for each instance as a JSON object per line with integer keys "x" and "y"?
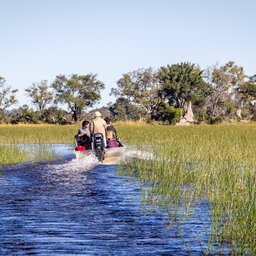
{"x": 99, "y": 146}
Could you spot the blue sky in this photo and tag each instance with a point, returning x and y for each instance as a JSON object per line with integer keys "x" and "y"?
{"x": 40, "y": 39}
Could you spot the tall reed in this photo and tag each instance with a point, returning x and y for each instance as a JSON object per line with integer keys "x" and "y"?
{"x": 216, "y": 163}
{"x": 11, "y": 155}
{"x": 37, "y": 134}
{"x": 11, "y": 136}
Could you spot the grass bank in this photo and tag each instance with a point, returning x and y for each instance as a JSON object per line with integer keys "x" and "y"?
{"x": 11, "y": 155}
{"x": 217, "y": 163}
{"x": 37, "y": 134}
{"x": 13, "y": 135}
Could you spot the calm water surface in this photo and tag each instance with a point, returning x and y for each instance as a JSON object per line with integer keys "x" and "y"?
{"x": 78, "y": 207}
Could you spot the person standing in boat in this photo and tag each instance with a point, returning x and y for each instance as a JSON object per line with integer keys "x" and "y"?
{"x": 98, "y": 125}
{"x": 83, "y": 137}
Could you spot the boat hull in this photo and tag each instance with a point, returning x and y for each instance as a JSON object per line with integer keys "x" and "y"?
{"x": 83, "y": 154}
{"x": 114, "y": 155}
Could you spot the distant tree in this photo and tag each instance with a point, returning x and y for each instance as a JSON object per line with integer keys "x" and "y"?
{"x": 78, "y": 92}
{"x": 139, "y": 87}
{"x": 248, "y": 89}
{"x": 182, "y": 83}
{"x": 24, "y": 114}
{"x": 7, "y": 97}
{"x": 225, "y": 81}
{"x": 55, "y": 115}
{"x": 123, "y": 109}
{"x": 253, "y": 78}
{"x": 246, "y": 95}
{"x": 40, "y": 95}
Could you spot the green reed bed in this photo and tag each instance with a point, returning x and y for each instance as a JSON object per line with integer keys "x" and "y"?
{"x": 217, "y": 163}
{"x": 12, "y": 136}
{"x": 11, "y": 155}
{"x": 37, "y": 134}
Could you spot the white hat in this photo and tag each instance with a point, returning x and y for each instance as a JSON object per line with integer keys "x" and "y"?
{"x": 97, "y": 113}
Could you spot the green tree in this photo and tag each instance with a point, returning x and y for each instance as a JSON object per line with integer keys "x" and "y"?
{"x": 7, "y": 97}
{"x": 123, "y": 109}
{"x": 139, "y": 87}
{"x": 167, "y": 113}
{"x": 246, "y": 95}
{"x": 40, "y": 95}
{"x": 224, "y": 80}
{"x": 183, "y": 83}
{"x": 78, "y": 92}
{"x": 24, "y": 114}
{"x": 55, "y": 115}
{"x": 248, "y": 89}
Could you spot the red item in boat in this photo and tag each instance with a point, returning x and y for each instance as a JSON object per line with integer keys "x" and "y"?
{"x": 80, "y": 148}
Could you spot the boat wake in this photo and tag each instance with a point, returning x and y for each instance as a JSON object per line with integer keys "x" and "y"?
{"x": 71, "y": 167}
{"x": 129, "y": 154}
{"x": 135, "y": 153}
{"x": 83, "y": 164}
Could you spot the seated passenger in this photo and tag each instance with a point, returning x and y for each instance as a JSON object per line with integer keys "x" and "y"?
{"x": 83, "y": 137}
{"x": 111, "y": 135}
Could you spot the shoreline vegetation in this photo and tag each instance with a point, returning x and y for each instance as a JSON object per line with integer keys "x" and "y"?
{"x": 216, "y": 163}
{"x": 174, "y": 94}
{"x": 12, "y": 136}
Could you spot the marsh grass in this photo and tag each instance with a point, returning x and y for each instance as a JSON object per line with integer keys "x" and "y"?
{"x": 11, "y": 155}
{"x": 12, "y": 136}
{"x": 37, "y": 134}
{"x": 217, "y": 163}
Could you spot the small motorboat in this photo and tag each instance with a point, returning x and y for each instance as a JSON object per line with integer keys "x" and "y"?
{"x": 106, "y": 155}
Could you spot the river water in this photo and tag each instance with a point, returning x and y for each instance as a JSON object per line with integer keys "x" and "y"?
{"x": 79, "y": 207}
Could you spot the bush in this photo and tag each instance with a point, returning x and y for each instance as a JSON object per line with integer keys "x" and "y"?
{"x": 24, "y": 114}
{"x": 215, "y": 120}
{"x": 200, "y": 115}
{"x": 167, "y": 114}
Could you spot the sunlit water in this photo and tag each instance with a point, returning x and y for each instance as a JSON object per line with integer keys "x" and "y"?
{"x": 79, "y": 207}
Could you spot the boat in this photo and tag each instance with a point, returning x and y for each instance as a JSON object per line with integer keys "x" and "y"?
{"x": 109, "y": 155}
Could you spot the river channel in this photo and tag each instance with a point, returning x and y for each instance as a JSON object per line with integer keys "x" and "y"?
{"x": 80, "y": 207}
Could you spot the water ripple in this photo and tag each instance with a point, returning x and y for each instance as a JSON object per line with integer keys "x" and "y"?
{"x": 67, "y": 208}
